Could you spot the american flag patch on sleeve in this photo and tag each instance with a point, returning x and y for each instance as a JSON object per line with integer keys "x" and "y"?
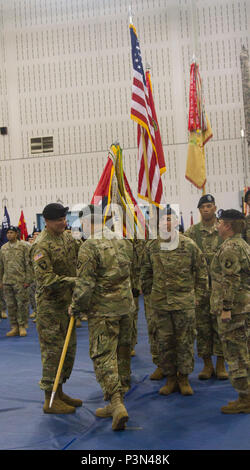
{"x": 38, "y": 256}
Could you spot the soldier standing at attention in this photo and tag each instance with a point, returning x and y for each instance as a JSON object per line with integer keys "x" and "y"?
{"x": 230, "y": 301}
{"x": 54, "y": 260}
{"x": 247, "y": 220}
{"x": 174, "y": 273}
{"x": 103, "y": 290}
{"x": 15, "y": 276}
{"x": 206, "y": 236}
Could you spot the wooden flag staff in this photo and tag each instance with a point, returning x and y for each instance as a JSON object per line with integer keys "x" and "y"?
{"x": 59, "y": 370}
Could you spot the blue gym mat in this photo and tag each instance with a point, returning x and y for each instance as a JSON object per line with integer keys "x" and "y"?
{"x": 156, "y": 422}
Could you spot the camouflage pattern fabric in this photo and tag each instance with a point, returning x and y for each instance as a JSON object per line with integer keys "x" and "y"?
{"x": 235, "y": 338}
{"x": 208, "y": 341}
{"x": 175, "y": 333}
{"x": 207, "y": 338}
{"x": 207, "y": 238}
{"x": 32, "y": 296}
{"x": 175, "y": 280}
{"x": 230, "y": 271}
{"x": 14, "y": 263}
{"x": 109, "y": 348}
{"x": 135, "y": 284}
{"x": 17, "y": 303}
{"x": 15, "y": 271}
{"x": 54, "y": 263}
{"x": 3, "y": 306}
{"x": 104, "y": 277}
{"x": 247, "y": 231}
{"x": 152, "y": 330}
{"x": 103, "y": 290}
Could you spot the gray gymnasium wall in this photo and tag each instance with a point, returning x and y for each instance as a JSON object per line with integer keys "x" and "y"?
{"x": 65, "y": 71}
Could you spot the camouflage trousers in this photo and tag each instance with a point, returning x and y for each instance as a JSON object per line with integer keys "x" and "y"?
{"x": 208, "y": 340}
{"x": 3, "y": 306}
{"x": 134, "y": 320}
{"x": 109, "y": 348}
{"x": 17, "y": 301}
{"x": 175, "y": 333}
{"x": 152, "y": 330}
{"x": 32, "y": 293}
{"x": 235, "y": 338}
{"x": 52, "y": 326}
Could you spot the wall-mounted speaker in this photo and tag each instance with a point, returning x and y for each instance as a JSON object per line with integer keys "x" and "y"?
{"x": 3, "y": 130}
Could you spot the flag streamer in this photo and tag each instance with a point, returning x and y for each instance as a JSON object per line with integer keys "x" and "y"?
{"x": 200, "y": 131}
{"x": 113, "y": 188}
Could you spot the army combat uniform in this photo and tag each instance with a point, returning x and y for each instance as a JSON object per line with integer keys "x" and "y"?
{"x": 247, "y": 231}
{"x": 208, "y": 341}
{"x": 103, "y": 290}
{"x": 14, "y": 273}
{"x": 175, "y": 277}
{"x": 230, "y": 272}
{"x": 54, "y": 262}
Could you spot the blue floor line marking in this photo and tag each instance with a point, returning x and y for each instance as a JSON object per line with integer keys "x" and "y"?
{"x": 69, "y": 444}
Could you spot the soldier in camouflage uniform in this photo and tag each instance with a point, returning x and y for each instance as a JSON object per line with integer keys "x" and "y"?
{"x": 103, "y": 290}
{"x": 3, "y": 306}
{"x": 247, "y": 220}
{"x": 205, "y": 234}
{"x": 32, "y": 288}
{"x": 135, "y": 278}
{"x": 230, "y": 301}
{"x": 15, "y": 276}
{"x": 174, "y": 273}
{"x": 54, "y": 260}
{"x": 150, "y": 318}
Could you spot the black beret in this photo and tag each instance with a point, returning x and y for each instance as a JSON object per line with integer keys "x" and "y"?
{"x": 230, "y": 214}
{"x": 247, "y": 194}
{"x": 12, "y": 228}
{"x": 205, "y": 199}
{"x": 54, "y": 211}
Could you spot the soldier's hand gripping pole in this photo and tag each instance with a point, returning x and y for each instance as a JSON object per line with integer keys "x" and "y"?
{"x": 59, "y": 370}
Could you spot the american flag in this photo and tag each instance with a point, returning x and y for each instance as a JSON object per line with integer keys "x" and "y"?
{"x": 141, "y": 112}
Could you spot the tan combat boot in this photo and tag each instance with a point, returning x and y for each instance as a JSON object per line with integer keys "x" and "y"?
{"x": 221, "y": 372}
{"x": 242, "y": 405}
{"x": 22, "y": 331}
{"x": 13, "y": 332}
{"x": 119, "y": 412}
{"x": 70, "y": 401}
{"x": 208, "y": 370}
{"x": 171, "y": 386}
{"x": 105, "y": 412}
{"x": 58, "y": 406}
{"x": 185, "y": 387}
{"x": 157, "y": 374}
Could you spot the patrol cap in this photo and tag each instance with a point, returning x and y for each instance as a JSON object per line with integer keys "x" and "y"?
{"x": 230, "y": 214}
{"x": 12, "y": 228}
{"x": 54, "y": 211}
{"x": 91, "y": 209}
{"x": 247, "y": 194}
{"x": 206, "y": 199}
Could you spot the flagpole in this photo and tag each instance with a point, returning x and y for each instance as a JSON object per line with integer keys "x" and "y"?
{"x": 146, "y": 165}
